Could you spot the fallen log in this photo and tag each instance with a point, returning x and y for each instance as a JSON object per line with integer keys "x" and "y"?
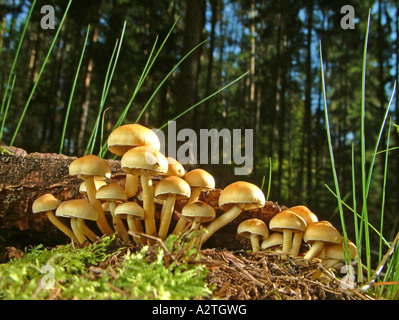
{"x": 24, "y": 177}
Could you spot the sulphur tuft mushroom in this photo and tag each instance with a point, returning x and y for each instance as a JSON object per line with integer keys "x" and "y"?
{"x": 48, "y": 203}
{"x": 273, "y": 243}
{"x": 319, "y": 234}
{"x": 288, "y": 222}
{"x": 235, "y": 198}
{"x": 112, "y": 193}
{"x": 129, "y": 136}
{"x": 199, "y": 180}
{"x": 255, "y": 230}
{"x": 79, "y": 210}
{"x": 309, "y": 217}
{"x": 133, "y": 213}
{"x": 330, "y": 255}
{"x": 199, "y": 213}
{"x": 169, "y": 190}
{"x": 89, "y": 168}
{"x": 146, "y": 161}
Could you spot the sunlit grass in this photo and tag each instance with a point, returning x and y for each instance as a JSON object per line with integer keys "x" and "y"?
{"x": 361, "y": 221}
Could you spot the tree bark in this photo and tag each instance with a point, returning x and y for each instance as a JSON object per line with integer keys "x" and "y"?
{"x": 190, "y": 68}
{"x": 24, "y": 177}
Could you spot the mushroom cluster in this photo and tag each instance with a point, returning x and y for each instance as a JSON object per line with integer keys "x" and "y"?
{"x": 291, "y": 228}
{"x": 132, "y": 209}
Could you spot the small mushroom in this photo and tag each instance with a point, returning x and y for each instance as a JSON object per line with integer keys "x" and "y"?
{"x": 129, "y": 136}
{"x": 112, "y": 193}
{"x": 199, "y": 212}
{"x": 87, "y": 168}
{"x": 170, "y": 189}
{"x": 146, "y": 161}
{"x": 255, "y": 230}
{"x": 319, "y": 234}
{"x": 273, "y": 243}
{"x": 288, "y": 222}
{"x": 199, "y": 181}
{"x": 98, "y": 184}
{"x": 330, "y": 255}
{"x": 79, "y": 210}
{"x": 48, "y": 203}
{"x": 175, "y": 168}
{"x": 133, "y": 213}
{"x": 235, "y": 198}
{"x": 309, "y": 218}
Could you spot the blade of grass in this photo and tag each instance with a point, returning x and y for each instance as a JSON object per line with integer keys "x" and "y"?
{"x": 363, "y": 153}
{"x": 107, "y": 84}
{"x": 149, "y": 63}
{"x": 203, "y": 100}
{"x": 338, "y": 195}
{"x": 360, "y": 216}
{"x": 13, "y": 67}
{"x": 355, "y": 219}
{"x": 3, "y": 122}
{"x": 167, "y": 76}
{"x": 73, "y": 91}
{"x": 40, "y": 73}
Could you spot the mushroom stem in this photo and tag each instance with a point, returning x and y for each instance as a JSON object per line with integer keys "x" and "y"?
{"x": 166, "y": 215}
{"x": 131, "y": 185}
{"x": 86, "y": 230}
{"x": 148, "y": 202}
{"x": 221, "y": 221}
{"x": 135, "y": 227}
{"x": 195, "y": 193}
{"x": 196, "y": 224}
{"x": 91, "y": 194}
{"x": 60, "y": 225}
{"x": 180, "y": 225}
{"x": 314, "y": 250}
{"x": 118, "y": 223}
{"x": 296, "y": 244}
{"x": 287, "y": 242}
{"x": 78, "y": 233}
{"x": 254, "y": 242}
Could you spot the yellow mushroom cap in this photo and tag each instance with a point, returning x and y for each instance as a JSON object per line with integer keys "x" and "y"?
{"x": 175, "y": 168}
{"x": 287, "y": 219}
{"x": 199, "y": 178}
{"x": 89, "y": 165}
{"x": 111, "y": 192}
{"x": 274, "y": 239}
{"x": 130, "y": 208}
{"x": 253, "y": 226}
{"x": 46, "y": 202}
{"x": 305, "y": 213}
{"x": 172, "y": 185}
{"x": 129, "y": 136}
{"x": 322, "y": 231}
{"x": 77, "y": 208}
{"x": 144, "y": 158}
{"x": 97, "y": 183}
{"x": 337, "y": 251}
{"x": 199, "y": 209}
{"x": 241, "y": 192}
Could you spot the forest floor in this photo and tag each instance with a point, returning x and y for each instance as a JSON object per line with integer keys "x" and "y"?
{"x": 246, "y": 275}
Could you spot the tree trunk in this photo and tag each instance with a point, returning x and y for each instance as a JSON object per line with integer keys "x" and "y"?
{"x": 188, "y": 80}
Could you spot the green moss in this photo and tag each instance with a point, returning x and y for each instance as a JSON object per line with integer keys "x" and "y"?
{"x": 64, "y": 273}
